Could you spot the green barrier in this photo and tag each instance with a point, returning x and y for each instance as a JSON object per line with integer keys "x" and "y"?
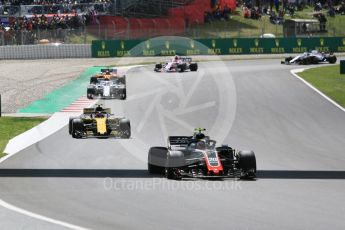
{"x": 185, "y": 46}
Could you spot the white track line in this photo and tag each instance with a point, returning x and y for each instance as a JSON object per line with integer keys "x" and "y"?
{"x": 40, "y": 217}
{"x": 35, "y": 215}
{"x": 294, "y": 73}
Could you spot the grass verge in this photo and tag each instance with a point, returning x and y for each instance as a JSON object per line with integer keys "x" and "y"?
{"x": 13, "y": 126}
{"x": 328, "y": 80}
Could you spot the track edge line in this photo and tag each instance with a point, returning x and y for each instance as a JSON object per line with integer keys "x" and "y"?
{"x": 294, "y": 73}
{"x": 40, "y": 217}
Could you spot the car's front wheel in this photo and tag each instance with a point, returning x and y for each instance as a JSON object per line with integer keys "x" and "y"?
{"x": 247, "y": 163}
{"x": 77, "y": 128}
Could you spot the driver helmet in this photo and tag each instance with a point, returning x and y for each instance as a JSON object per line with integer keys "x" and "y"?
{"x": 201, "y": 144}
{"x": 99, "y": 108}
{"x": 177, "y": 57}
{"x": 199, "y": 136}
{"x": 99, "y": 115}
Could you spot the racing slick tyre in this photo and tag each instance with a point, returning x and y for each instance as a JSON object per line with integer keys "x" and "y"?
{"x": 157, "y": 160}
{"x": 123, "y": 95}
{"x": 70, "y": 124}
{"x": 247, "y": 163}
{"x": 175, "y": 160}
{"x": 332, "y": 59}
{"x": 182, "y": 67}
{"x": 90, "y": 93}
{"x": 193, "y": 67}
{"x": 305, "y": 61}
{"x": 77, "y": 128}
{"x": 125, "y": 128}
{"x": 93, "y": 80}
{"x": 158, "y": 67}
{"x": 122, "y": 80}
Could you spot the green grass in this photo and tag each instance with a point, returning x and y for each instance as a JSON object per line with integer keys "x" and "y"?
{"x": 236, "y": 26}
{"x": 13, "y": 126}
{"x": 328, "y": 80}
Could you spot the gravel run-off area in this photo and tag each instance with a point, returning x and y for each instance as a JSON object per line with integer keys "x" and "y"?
{"x": 25, "y": 81}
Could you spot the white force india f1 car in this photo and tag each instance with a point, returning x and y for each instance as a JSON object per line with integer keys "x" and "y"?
{"x": 313, "y": 57}
{"x": 177, "y": 64}
{"x": 197, "y": 156}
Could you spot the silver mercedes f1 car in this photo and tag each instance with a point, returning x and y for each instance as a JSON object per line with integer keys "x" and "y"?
{"x": 313, "y": 57}
{"x": 108, "y": 84}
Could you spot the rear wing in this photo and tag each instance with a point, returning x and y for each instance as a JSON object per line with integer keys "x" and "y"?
{"x": 179, "y": 141}
{"x": 111, "y": 70}
{"x": 186, "y": 59}
{"x": 93, "y": 110}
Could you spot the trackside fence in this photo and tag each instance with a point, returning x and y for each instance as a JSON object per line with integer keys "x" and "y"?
{"x": 47, "y": 51}
{"x": 166, "y": 46}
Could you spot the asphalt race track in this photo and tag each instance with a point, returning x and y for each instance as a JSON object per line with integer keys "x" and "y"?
{"x": 297, "y": 135}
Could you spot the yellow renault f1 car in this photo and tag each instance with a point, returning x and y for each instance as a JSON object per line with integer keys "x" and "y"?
{"x": 99, "y": 122}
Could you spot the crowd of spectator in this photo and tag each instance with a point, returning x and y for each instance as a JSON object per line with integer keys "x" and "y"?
{"x": 29, "y": 30}
{"x": 35, "y": 19}
{"x": 277, "y": 10}
{"x": 333, "y": 7}
{"x": 49, "y": 2}
{"x": 22, "y": 7}
{"x": 217, "y": 13}
{"x": 272, "y": 10}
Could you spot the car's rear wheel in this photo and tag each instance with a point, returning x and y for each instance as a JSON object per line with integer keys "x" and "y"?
{"x": 158, "y": 67}
{"x": 123, "y": 95}
{"x": 90, "y": 93}
{"x": 175, "y": 160}
{"x": 125, "y": 127}
{"x": 157, "y": 160}
{"x": 332, "y": 59}
{"x": 93, "y": 80}
{"x": 193, "y": 67}
{"x": 182, "y": 67}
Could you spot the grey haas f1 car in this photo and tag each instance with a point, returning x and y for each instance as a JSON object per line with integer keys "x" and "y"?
{"x": 313, "y": 57}
{"x": 177, "y": 64}
{"x": 197, "y": 156}
{"x": 107, "y": 85}
{"x": 99, "y": 122}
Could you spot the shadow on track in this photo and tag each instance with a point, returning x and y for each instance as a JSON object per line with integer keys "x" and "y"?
{"x": 142, "y": 173}
{"x": 300, "y": 174}
{"x": 87, "y": 173}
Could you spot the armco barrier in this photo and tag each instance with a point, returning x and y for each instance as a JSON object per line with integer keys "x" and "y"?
{"x": 48, "y": 51}
{"x": 185, "y": 46}
{"x": 342, "y": 67}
